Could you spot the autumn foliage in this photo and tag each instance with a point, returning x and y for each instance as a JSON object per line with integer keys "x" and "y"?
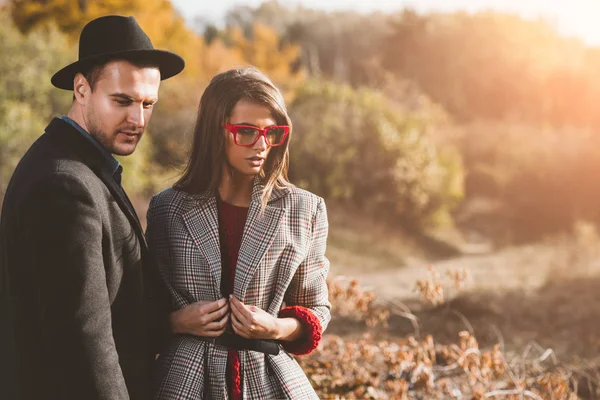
{"x": 484, "y": 121}
{"x": 417, "y": 367}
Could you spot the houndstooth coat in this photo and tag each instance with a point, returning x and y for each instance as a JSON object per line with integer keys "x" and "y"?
{"x": 281, "y": 261}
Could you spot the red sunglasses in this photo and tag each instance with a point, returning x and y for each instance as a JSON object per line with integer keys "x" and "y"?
{"x": 247, "y": 135}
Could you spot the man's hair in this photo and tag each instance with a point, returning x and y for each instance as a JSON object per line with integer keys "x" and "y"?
{"x": 93, "y": 74}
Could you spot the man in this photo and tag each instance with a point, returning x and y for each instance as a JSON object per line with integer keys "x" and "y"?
{"x": 81, "y": 303}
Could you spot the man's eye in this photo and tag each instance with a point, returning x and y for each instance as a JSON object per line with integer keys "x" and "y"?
{"x": 124, "y": 102}
{"x": 148, "y": 105}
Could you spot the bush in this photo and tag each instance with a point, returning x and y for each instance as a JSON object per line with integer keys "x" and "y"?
{"x": 27, "y": 98}
{"x": 352, "y": 146}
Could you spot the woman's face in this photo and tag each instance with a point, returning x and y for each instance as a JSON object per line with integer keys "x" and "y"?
{"x": 248, "y": 161}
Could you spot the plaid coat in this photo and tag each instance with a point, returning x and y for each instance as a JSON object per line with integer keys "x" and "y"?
{"x": 281, "y": 261}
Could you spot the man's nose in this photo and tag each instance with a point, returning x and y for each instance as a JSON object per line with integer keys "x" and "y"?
{"x": 136, "y": 116}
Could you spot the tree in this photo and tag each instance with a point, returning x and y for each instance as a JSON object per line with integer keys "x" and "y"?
{"x": 484, "y": 65}
{"x": 265, "y": 50}
{"x": 159, "y": 19}
{"x": 342, "y": 46}
{"x": 70, "y": 16}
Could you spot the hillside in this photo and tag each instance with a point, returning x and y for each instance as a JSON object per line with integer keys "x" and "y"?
{"x": 536, "y": 300}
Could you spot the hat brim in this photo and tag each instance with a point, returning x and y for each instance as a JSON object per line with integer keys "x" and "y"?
{"x": 169, "y": 64}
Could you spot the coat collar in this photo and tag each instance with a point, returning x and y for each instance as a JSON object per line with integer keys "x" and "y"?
{"x": 260, "y": 230}
{"x": 68, "y": 135}
{"x": 257, "y": 190}
{"x": 109, "y": 158}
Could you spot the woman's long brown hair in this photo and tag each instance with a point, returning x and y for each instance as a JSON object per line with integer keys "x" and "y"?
{"x": 205, "y": 166}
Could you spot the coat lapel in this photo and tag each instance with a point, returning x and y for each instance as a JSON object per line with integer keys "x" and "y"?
{"x": 202, "y": 223}
{"x": 68, "y": 135}
{"x": 259, "y": 233}
{"x": 124, "y": 203}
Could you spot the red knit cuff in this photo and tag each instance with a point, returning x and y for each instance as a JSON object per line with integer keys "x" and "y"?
{"x": 312, "y": 330}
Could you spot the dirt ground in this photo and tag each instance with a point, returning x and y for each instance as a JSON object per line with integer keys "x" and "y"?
{"x": 544, "y": 296}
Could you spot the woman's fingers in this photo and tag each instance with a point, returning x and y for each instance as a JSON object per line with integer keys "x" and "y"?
{"x": 214, "y": 329}
{"x": 209, "y": 312}
{"x": 218, "y": 326}
{"x": 246, "y": 321}
{"x": 240, "y": 310}
{"x": 238, "y": 327}
{"x": 219, "y": 313}
{"x": 208, "y": 308}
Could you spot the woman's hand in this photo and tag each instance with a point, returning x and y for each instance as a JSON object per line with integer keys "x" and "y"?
{"x": 202, "y": 318}
{"x": 252, "y": 322}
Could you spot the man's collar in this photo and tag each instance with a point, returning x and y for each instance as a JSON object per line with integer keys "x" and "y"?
{"x": 114, "y": 165}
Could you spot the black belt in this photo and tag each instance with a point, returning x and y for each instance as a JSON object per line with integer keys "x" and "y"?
{"x": 233, "y": 341}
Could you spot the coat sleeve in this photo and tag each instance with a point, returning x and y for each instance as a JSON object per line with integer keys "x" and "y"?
{"x": 307, "y": 297}
{"x": 72, "y": 292}
{"x": 159, "y": 300}
{"x": 158, "y": 235}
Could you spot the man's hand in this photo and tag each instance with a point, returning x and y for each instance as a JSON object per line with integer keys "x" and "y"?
{"x": 202, "y": 318}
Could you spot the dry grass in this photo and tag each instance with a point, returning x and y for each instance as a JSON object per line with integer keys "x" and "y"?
{"x": 538, "y": 303}
{"x": 379, "y": 365}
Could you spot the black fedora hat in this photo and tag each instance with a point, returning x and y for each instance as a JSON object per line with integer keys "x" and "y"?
{"x": 114, "y": 37}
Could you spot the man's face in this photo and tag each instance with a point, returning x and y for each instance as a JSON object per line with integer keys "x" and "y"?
{"x": 117, "y": 110}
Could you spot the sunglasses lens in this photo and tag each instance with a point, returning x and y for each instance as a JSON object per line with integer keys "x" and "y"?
{"x": 275, "y": 136}
{"x": 246, "y": 136}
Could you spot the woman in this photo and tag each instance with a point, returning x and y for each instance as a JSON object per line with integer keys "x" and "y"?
{"x": 241, "y": 251}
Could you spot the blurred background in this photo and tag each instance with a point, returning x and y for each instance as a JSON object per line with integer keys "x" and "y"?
{"x": 455, "y": 145}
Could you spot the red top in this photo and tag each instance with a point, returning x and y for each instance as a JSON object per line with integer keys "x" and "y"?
{"x": 232, "y": 220}
{"x": 231, "y": 227}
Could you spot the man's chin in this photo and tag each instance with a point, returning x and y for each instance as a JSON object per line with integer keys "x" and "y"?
{"x": 124, "y": 150}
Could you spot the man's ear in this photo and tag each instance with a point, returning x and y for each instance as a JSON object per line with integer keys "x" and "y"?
{"x": 81, "y": 88}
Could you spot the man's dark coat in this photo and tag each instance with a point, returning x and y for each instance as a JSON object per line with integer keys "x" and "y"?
{"x": 82, "y": 310}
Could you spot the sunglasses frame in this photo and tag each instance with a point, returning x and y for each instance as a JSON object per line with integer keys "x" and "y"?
{"x": 261, "y": 132}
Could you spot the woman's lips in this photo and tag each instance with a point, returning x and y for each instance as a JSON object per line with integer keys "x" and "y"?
{"x": 256, "y": 161}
